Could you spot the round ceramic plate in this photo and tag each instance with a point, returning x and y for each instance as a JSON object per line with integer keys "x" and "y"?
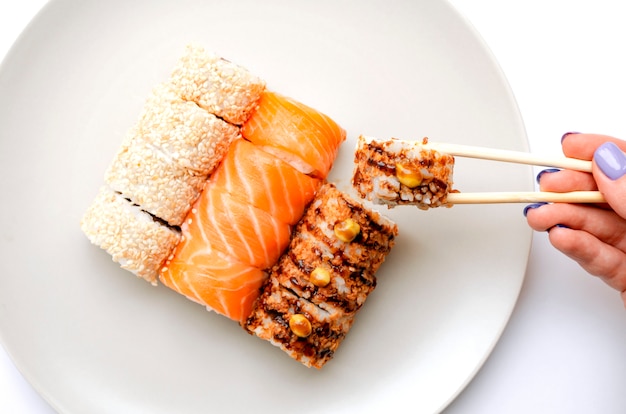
{"x": 92, "y": 338}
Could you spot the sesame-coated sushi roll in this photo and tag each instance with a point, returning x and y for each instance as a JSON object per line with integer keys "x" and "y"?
{"x": 221, "y": 87}
{"x": 185, "y": 133}
{"x": 151, "y": 180}
{"x": 322, "y": 280}
{"x": 395, "y": 172}
{"x": 133, "y": 238}
{"x": 169, "y": 153}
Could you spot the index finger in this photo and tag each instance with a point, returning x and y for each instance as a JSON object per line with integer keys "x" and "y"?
{"x": 582, "y": 146}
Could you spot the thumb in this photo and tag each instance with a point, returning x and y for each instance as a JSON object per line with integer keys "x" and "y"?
{"x": 609, "y": 172}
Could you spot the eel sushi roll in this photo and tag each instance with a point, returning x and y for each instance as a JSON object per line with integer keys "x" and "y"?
{"x": 133, "y": 238}
{"x": 314, "y": 292}
{"x": 395, "y": 172}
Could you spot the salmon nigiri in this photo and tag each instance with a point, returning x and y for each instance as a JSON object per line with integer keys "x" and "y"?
{"x": 225, "y": 247}
{"x": 254, "y": 176}
{"x": 306, "y": 137}
{"x": 238, "y": 229}
{"x": 210, "y": 278}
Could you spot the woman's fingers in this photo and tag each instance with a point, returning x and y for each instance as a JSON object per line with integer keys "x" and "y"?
{"x": 593, "y": 237}
{"x": 582, "y": 146}
{"x": 605, "y": 225}
{"x": 609, "y": 172}
{"x": 562, "y": 181}
{"x": 593, "y": 255}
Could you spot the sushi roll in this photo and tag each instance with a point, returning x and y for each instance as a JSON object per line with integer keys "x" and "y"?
{"x": 210, "y": 278}
{"x": 306, "y": 332}
{"x": 168, "y": 155}
{"x": 222, "y": 88}
{"x": 237, "y": 230}
{"x": 303, "y": 136}
{"x": 166, "y": 158}
{"x": 395, "y": 172}
{"x": 243, "y": 220}
{"x": 225, "y": 248}
{"x": 183, "y": 132}
{"x": 317, "y": 287}
{"x": 149, "y": 179}
{"x": 133, "y": 238}
{"x": 255, "y": 176}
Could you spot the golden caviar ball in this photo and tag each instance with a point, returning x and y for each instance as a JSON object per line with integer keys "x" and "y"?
{"x": 320, "y": 277}
{"x": 408, "y": 176}
{"x": 347, "y": 230}
{"x": 300, "y": 325}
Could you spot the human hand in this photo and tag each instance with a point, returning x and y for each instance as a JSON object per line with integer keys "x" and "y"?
{"x": 592, "y": 235}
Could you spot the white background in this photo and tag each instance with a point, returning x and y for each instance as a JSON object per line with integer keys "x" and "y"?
{"x": 564, "y": 348}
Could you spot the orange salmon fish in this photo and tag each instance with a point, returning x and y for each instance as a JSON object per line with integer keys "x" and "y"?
{"x": 254, "y": 176}
{"x": 212, "y": 279}
{"x": 302, "y": 135}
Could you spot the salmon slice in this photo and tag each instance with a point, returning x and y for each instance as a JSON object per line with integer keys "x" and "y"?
{"x": 254, "y": 176}
{"x": 210, "y": 278}
{"x": 238, "y": 229}
{"x": 308, "y": 139}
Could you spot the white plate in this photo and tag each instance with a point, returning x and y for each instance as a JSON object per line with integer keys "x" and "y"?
{"x": 94, "y": 339}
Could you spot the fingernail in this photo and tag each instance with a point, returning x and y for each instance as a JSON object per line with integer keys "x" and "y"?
{"x": 566, "y": 134}
{"x": 558, "y": 226}
{"x": 532, "y": 206}
{"x": 611, "y": 160}
{"x": 547, "y": 170}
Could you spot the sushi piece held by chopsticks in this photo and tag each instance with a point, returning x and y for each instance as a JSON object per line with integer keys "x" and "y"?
{"x": 396, "y": 172}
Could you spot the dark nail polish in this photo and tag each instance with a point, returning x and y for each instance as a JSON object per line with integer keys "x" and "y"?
{"x": 611, "y": 160}
{"x": 547, "y": 170}
{"x": 532, "y": 206}
{"x": 558, "y": 226}
{"x": 566, "y": 135}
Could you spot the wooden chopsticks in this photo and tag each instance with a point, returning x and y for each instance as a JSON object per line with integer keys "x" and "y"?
{"x": 525, "y": 197}
{"x": 518, "y": 158}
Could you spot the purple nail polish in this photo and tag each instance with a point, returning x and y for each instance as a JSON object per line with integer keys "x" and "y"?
{"x": 611, "y": 160}
{"x": 547, "y": 170}
{"x": 567, "y": 134}
{"x": 532, "y": 206}
{"x": 557, "y": 226}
